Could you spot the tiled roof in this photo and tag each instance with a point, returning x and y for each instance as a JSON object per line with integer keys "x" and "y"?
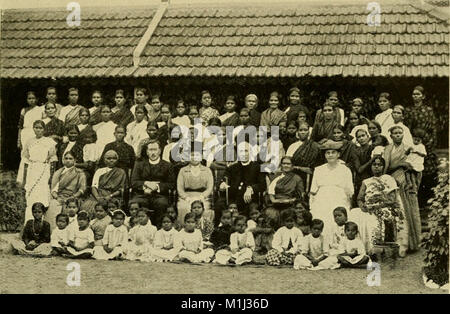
{"x": 268, "y": 40}
{"x": 40, "y": 44}
{"x": 296, "y": 41}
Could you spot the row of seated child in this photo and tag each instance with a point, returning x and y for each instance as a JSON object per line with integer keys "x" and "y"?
{"x": 237, "y": 240}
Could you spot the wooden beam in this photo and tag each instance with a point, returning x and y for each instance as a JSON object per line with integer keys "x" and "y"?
{"x": 149, "y": 32}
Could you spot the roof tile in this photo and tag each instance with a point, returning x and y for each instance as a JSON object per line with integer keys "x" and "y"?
{"x": 214, "y": 41}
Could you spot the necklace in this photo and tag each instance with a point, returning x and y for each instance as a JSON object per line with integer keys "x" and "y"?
{"x": 36, "y": 234}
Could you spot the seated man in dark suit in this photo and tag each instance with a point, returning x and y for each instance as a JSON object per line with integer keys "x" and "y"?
{"x": 245, "y": 180}
{"x": 151, "y": 180}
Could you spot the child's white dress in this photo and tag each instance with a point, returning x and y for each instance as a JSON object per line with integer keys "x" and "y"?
{"x": 98, "y": 226}
{"x": 81, "y": 240}
{"x": 352, "y": 247}
{"x": 284, "y": 236}
{"x": 141, "y": 242}
{"x": 337, "y": 235}
{"x": 60, "y": 235}
{"x": 115, "y": 238}
{"x": 285, "y": 245}
{"x": 190, "y": 247}
{"x": 316, "y": 247}
{"x": 72, "y": 226}
{"x": 163, "y": 245}
{"x": 243, "y": 244}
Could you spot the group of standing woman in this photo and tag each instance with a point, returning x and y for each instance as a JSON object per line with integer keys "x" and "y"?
{"x": 331, "y": 159}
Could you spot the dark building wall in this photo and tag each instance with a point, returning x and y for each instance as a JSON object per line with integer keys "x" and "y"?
{"x": 13, "y": 96}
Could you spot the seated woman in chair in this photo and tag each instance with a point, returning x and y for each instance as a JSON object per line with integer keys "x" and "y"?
{"x": 108, "y": 183}
{"x": 67, "y": 182}
{"x": 287, "y": 188}
{"x": 194, "y": 182}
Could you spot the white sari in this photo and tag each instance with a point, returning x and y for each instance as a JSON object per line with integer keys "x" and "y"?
{"x": 136, "y": 132}
{"x": 105, "y": 134}
{"x": 37, "y": 155}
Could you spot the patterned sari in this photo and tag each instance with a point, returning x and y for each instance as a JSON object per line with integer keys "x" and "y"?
{"x": 363, "y": 155}
{"x": 96, "y": 115}
{"x": 379, "y": 194}
{"x": 307, "y": 155}
{"x": 337, "y": 114}
{"x": 73, "y": 116}
{"x": 85, "y": 133}
{"x": 348, "y": 154}
{"x": 65, "y": 182}
{"x": 287, "y": 185}
{"x": 230, "y": 119}
{"x": 424, "y": 118}
{"x": 207, "y": 114}
{"x": 122, "y": 117}
{"x": 323, "y": 129}
{"x": 393, "y": 156}
{"x": 153, "y": 116}
{"x": 272, "y": 117}
{"x": 106, "y": 181}
{"x": 54, "y": 127}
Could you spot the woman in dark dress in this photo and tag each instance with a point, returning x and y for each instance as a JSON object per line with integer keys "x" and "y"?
{"x": 323, "y": 128}
{"x": 421, "y": 116}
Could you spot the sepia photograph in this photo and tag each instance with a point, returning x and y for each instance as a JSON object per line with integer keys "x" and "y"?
{"x": 205, "y": 148}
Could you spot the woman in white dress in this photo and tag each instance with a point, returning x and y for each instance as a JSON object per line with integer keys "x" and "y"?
{"x": 331, "y": 187}
{"x": 194, "y": 182}
{"x": 28, "y": 116}
{"x": 37, "y": 155}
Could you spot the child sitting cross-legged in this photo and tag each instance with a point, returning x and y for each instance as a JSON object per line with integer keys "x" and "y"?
{"x": 203, "y": 224}
{"x": 141, "y": 238}
{"x": 242, "y": 245}
{"x": 314, "y": 250}
{"x": 172, "y": 212}
{"x": 220, "y": 237}
{"x": 285, "y": 241}
{"x": 114, "y": 240}
{"x": 189, "y": 243}
{"x": 352, "y": 252}
{"x": 131, "y": 220}
{"x": 233, "y": 208}
{"x": 71, "y": 210}
{"x": 253, "y": 214}
{"x": 81, "y": 241}
{"x": 263, "y": 234}
{"x": 35, "y": 235}
{"x": 100, "y": 222}
{"x": 337, "y": 231}
{"x": 163, "y": 245}
{"x": 60, "y": 235}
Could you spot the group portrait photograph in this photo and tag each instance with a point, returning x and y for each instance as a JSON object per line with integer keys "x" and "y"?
{"x": 213, "y": 147}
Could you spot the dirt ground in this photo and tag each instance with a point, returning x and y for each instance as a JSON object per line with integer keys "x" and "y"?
{"x": 48, "y": 275}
